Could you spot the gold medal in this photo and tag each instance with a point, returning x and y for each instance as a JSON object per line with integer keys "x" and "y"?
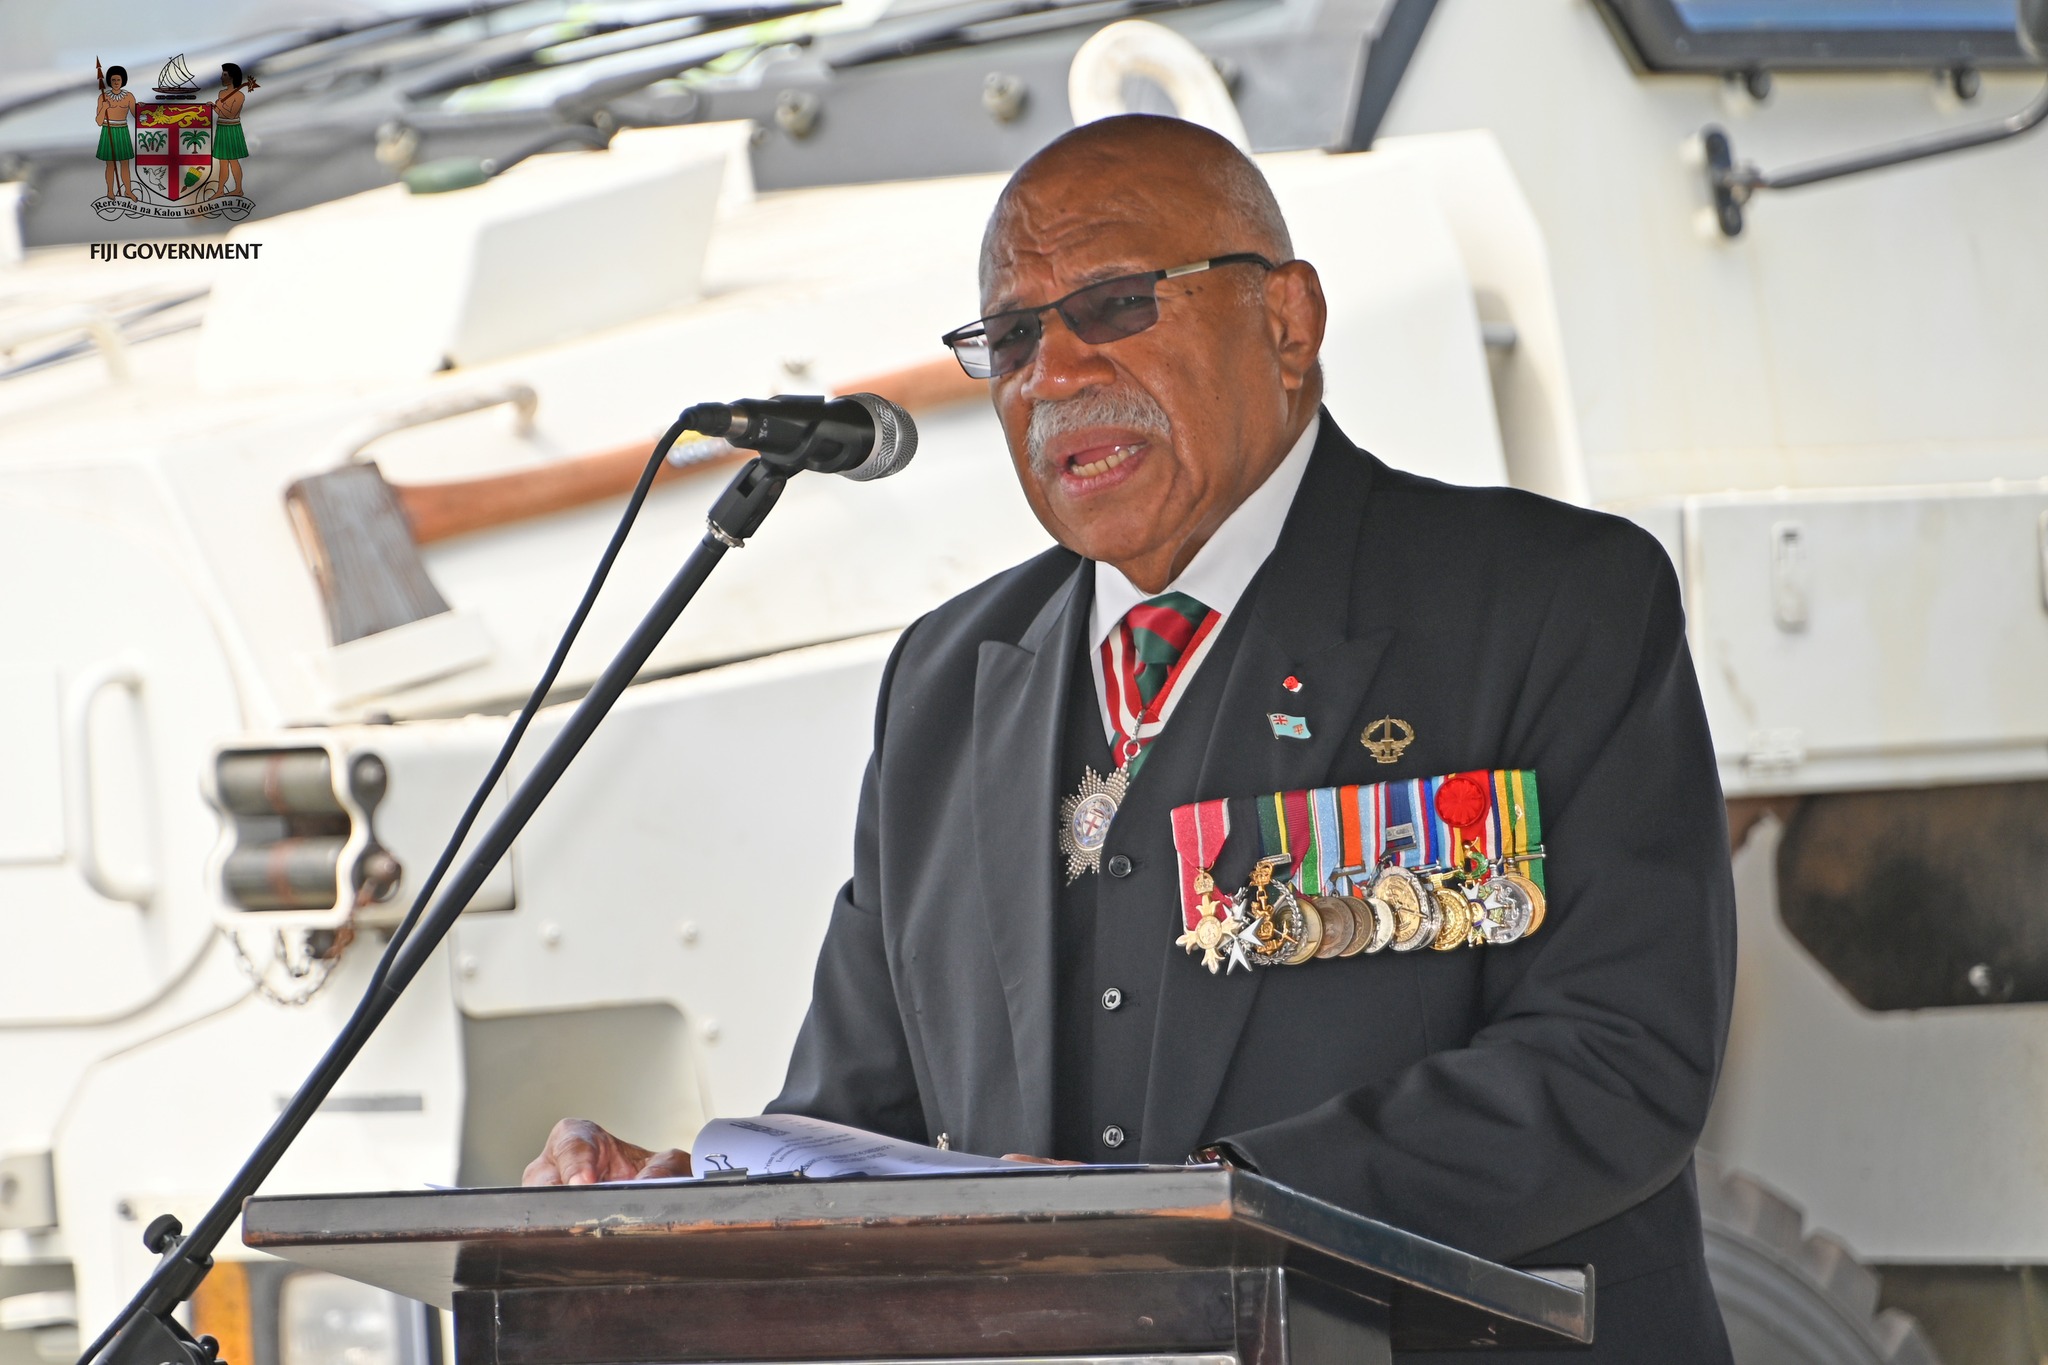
{"x": 1271, "y": 931}
{"x": 1303, "y": 924}
{"x": 1417, "y": 917}
{"x": 1535, "y": 895}
{"x": 1457, "y": 917}
{"x": 1217, "y": 926}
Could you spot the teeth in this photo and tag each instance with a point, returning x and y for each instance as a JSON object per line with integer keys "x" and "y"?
{"x": 1116, "y": 456}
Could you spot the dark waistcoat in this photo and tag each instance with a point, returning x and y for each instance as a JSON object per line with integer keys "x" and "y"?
{"x": 1116, "y": 925}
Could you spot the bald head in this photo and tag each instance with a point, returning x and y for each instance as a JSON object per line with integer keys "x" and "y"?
{"x": 1142, "y": 413}
{"x": 1199, "y": 172}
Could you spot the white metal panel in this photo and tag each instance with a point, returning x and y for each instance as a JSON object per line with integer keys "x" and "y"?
{"x": 1883, "y": 328}
{"x": 161, "y": 1126}
{"x": 1501, "y": 247}
{"x": 692, "y": 854}
{"x": 471, "y": 276}
{"x": 1404, "y": 369}
{"x": 84, "y": 591}
{"x": 31, "y": 778}
{"x": 1871, "y": 638}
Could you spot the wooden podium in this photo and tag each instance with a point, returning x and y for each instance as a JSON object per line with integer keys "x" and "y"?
{"x": 1195, "y": 1266}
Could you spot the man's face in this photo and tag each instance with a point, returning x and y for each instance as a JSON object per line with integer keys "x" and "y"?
{"x": 1134, "y": 451}
{"x": 114, "y": 83}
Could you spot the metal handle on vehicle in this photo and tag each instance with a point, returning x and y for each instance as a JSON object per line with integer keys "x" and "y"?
{"x": 78, "y": 794}
{"x": 104, "y": 331}
{"x": 520, "y": 397}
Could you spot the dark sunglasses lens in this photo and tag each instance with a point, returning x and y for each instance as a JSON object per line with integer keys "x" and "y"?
{"x": 1012, "y": 337}
{"x": 972, "y": 353}
{"x": 1112, "y": 310}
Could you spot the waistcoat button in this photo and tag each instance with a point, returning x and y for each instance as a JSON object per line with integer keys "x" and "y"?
{"x": 1112, "y": 1136}
{"x": 1119, "y": 865}
{"x": 1112, "y": 998}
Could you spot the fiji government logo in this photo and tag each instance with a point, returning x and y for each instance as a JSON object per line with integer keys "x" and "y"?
{"x": 177, "y": 156}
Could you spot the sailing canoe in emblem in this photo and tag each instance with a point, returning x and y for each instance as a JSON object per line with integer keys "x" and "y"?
{"x": 174, "y": 136}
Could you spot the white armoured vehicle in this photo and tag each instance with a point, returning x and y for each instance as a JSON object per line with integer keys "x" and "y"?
{"x": 285, "y": 539}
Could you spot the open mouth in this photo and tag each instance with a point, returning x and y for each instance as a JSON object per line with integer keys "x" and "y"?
{"x": 1100, "y": 465}
{"x": 1090, "y": 463}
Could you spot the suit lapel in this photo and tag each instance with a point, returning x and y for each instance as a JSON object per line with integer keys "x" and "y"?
{"x": 1020, "y": 700}
{"x": 1299, "y": 627}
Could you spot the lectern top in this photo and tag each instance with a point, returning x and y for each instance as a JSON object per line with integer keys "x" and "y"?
{"x": 428, "y": 1244}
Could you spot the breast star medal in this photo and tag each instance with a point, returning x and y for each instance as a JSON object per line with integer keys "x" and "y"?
{"x": 1216, "y": 929}
{"x": 1085, "y": 819}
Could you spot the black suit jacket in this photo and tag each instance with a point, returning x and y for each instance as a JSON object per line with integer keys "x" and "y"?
{"x": 1534, "y": 1103}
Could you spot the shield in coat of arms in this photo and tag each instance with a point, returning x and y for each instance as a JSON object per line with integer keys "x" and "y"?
{"x": 173, "y": 147}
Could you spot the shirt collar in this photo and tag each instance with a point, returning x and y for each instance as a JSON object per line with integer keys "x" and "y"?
{"x": 1222, "y": 569}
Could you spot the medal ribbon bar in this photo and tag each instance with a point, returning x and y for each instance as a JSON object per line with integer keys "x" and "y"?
{"x": 1402, "y": 823}
{"x": 1199, "y": 833}
{"x": 1326, "y": 850}
{"x": 1286, "y": 830}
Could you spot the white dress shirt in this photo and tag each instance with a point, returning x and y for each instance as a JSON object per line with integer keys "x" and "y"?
{"x": 1220, "y": 570}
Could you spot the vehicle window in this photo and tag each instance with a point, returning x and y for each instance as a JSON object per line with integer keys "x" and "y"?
{"x": 1746, "y": 35}
{"x": 1723, "y": 16}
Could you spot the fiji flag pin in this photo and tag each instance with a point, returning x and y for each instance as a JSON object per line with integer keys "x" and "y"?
{"x": 1286, "y": 726}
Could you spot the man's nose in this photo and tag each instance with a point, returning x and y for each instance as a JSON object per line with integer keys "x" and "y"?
{"x": 1063, "y": 364}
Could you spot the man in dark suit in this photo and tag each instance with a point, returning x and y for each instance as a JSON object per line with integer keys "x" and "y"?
{"x": 1245, "y": 603}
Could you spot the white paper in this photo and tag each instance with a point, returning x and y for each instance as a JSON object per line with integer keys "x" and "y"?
{"x": 777, "y": 1144}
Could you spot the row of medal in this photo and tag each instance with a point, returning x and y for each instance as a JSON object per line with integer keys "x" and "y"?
{"x": 1471, "y": 876}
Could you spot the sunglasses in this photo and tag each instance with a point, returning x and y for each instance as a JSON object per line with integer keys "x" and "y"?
{"x": 1002, "y": 343}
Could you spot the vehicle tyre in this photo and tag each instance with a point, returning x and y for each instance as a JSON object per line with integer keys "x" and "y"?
{"x": 1791, "y": 1298}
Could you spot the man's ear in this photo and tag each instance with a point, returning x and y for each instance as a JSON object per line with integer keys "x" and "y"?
{"x": 1298, "y": 314}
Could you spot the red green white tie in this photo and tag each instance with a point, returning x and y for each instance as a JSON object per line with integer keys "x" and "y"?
{"x": 1146, "y": 662}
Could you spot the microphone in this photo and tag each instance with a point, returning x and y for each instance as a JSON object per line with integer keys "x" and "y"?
{"x": 862, "y": 436}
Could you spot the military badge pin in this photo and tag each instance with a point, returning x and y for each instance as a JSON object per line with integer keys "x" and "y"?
{"x": 1387, "y": 738}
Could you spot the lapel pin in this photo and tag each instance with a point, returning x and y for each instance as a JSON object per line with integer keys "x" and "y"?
{"x": 1286, "y": 726}
{"x": 1291, "y": 683}
{"x": 1386, "y": 739}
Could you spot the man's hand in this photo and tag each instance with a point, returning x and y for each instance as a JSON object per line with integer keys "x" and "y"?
{"x": 578, "y": 1152}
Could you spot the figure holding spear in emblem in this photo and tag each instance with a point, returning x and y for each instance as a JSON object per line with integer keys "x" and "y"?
{"x": 229, "y": 146}
{"x": 116, "y": 106}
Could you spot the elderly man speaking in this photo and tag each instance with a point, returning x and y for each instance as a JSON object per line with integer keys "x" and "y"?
{"x": 1298, "y": 812}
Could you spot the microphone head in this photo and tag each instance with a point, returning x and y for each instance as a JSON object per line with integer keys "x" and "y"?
{"x": 895, "y": 439}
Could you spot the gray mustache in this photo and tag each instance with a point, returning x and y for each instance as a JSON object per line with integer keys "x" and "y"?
{"x": 1052, "y": 419}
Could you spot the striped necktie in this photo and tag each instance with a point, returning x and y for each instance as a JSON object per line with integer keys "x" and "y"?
{"x": 1160, "y": 628}
{"x": 1143, "y": 663}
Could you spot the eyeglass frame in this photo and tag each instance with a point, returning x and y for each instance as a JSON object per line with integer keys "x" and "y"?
{"x": 952, "y": 339}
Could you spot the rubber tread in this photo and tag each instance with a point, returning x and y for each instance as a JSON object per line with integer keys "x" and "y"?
{"x": 1790, "y": 1297}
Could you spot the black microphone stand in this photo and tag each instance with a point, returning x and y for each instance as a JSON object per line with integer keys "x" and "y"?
{"x": 145, "y": 1332}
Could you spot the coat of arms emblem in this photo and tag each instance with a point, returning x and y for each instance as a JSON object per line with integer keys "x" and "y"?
{"x": 184, "y": 159}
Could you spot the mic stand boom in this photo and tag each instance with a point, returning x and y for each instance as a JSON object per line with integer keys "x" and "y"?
{"x": 145, "y": 1333}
